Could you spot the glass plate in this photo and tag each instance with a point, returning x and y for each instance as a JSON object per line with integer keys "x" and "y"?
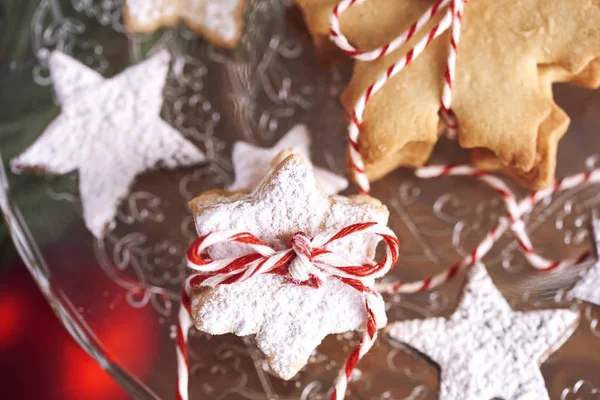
{"x": 118, "y": 296}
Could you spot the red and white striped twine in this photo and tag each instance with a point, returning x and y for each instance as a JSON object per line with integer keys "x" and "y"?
{"x": 306, "y": 262}
{"x": 456, "y": 8}
{"x": 515, "y": 211}
{"x": 452, "y": 18}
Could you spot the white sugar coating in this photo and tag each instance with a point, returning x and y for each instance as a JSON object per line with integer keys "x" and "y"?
{"x": 217, "y": 16}
{"x": 485, "y": 349}
{"x": 110, "y": 131}
{"x": 144, "y": 12}
{"x": 69, "y": 78}
{"x": 289, "y": 320}
{"x": 220, "y": 18}
{"x": 250, "y": 163}
{"x": 588, "y": 288}
{"x": 289, "y": 200}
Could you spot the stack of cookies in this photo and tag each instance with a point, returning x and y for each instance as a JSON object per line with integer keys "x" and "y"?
{"x": 510, "y": 54}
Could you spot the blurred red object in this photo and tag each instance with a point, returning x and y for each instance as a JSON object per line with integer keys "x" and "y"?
{"x": 120, "y": 334}
{"x": 41, "y": 361}
{"x": 13, "y": 309}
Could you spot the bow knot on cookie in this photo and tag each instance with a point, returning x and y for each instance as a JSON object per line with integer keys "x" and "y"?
{"x": 306, "y": 262}
{"x": 302, "y": 265}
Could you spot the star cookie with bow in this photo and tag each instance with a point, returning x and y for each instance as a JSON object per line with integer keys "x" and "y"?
{"x": 220, "y": 21}
{"x": 289, "y": 314}
{"x": 485, "y": 349}
{"x": 250, "y": 163}
{"x": 109, "y": 130}
{"x": 509, "y": 55}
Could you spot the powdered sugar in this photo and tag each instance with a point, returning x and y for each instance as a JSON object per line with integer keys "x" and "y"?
{"x": 289, "y": 320}
{"x": 218, "y": 19}
{"x": 218, "y": 16}
{"x": 147, "y": 11}
{"x": 485, "y": 349}
{"x": 110, "y": 131}
{"x": 251, "y": 162}
{"x": 288, "y": 200}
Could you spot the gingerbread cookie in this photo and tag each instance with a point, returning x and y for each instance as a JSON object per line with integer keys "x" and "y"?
{"x": 220, "y": 21}
{"x": 500, "y": 99}
{"x": 289, "y": 320}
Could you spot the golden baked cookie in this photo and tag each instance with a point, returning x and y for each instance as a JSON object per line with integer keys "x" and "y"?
{"x": 501, "y": 107}
{"x": 550, "y": 133}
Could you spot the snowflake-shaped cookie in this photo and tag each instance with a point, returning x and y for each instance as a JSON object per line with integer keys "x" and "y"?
{"x": 220, "y": 21}
{"x": 109, "y": 130}
{"x": 485, "y": 349}
{"x": 250, "y": 163}
{"x": 510, "y": 53}
{"x": 289, "y": 320}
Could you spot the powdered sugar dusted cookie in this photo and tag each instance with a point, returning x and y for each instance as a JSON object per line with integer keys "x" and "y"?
{"x": 289, "y": 320}
{"x": 109, "y": 130}
{"x": 485, "y": 349}
{"x": 250, "y": 163}
{"x": 370, "y": 25}
{"x": 220, "y": 21}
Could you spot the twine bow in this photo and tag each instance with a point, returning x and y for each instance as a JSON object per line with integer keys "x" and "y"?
{"x": 306, "y": 262}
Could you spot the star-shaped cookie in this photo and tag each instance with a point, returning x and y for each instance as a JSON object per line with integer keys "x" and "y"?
{"x": 501, "y": 98}
{"x": 220, "y": 21}
{"x": 485, "y": 349}
{"x": 250, "y": 163}
{"x": 109, "y": 130}
{"x": 289, "y": 320}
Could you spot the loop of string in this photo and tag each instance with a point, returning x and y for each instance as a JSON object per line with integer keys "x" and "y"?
{"x": 451, "y": 19}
